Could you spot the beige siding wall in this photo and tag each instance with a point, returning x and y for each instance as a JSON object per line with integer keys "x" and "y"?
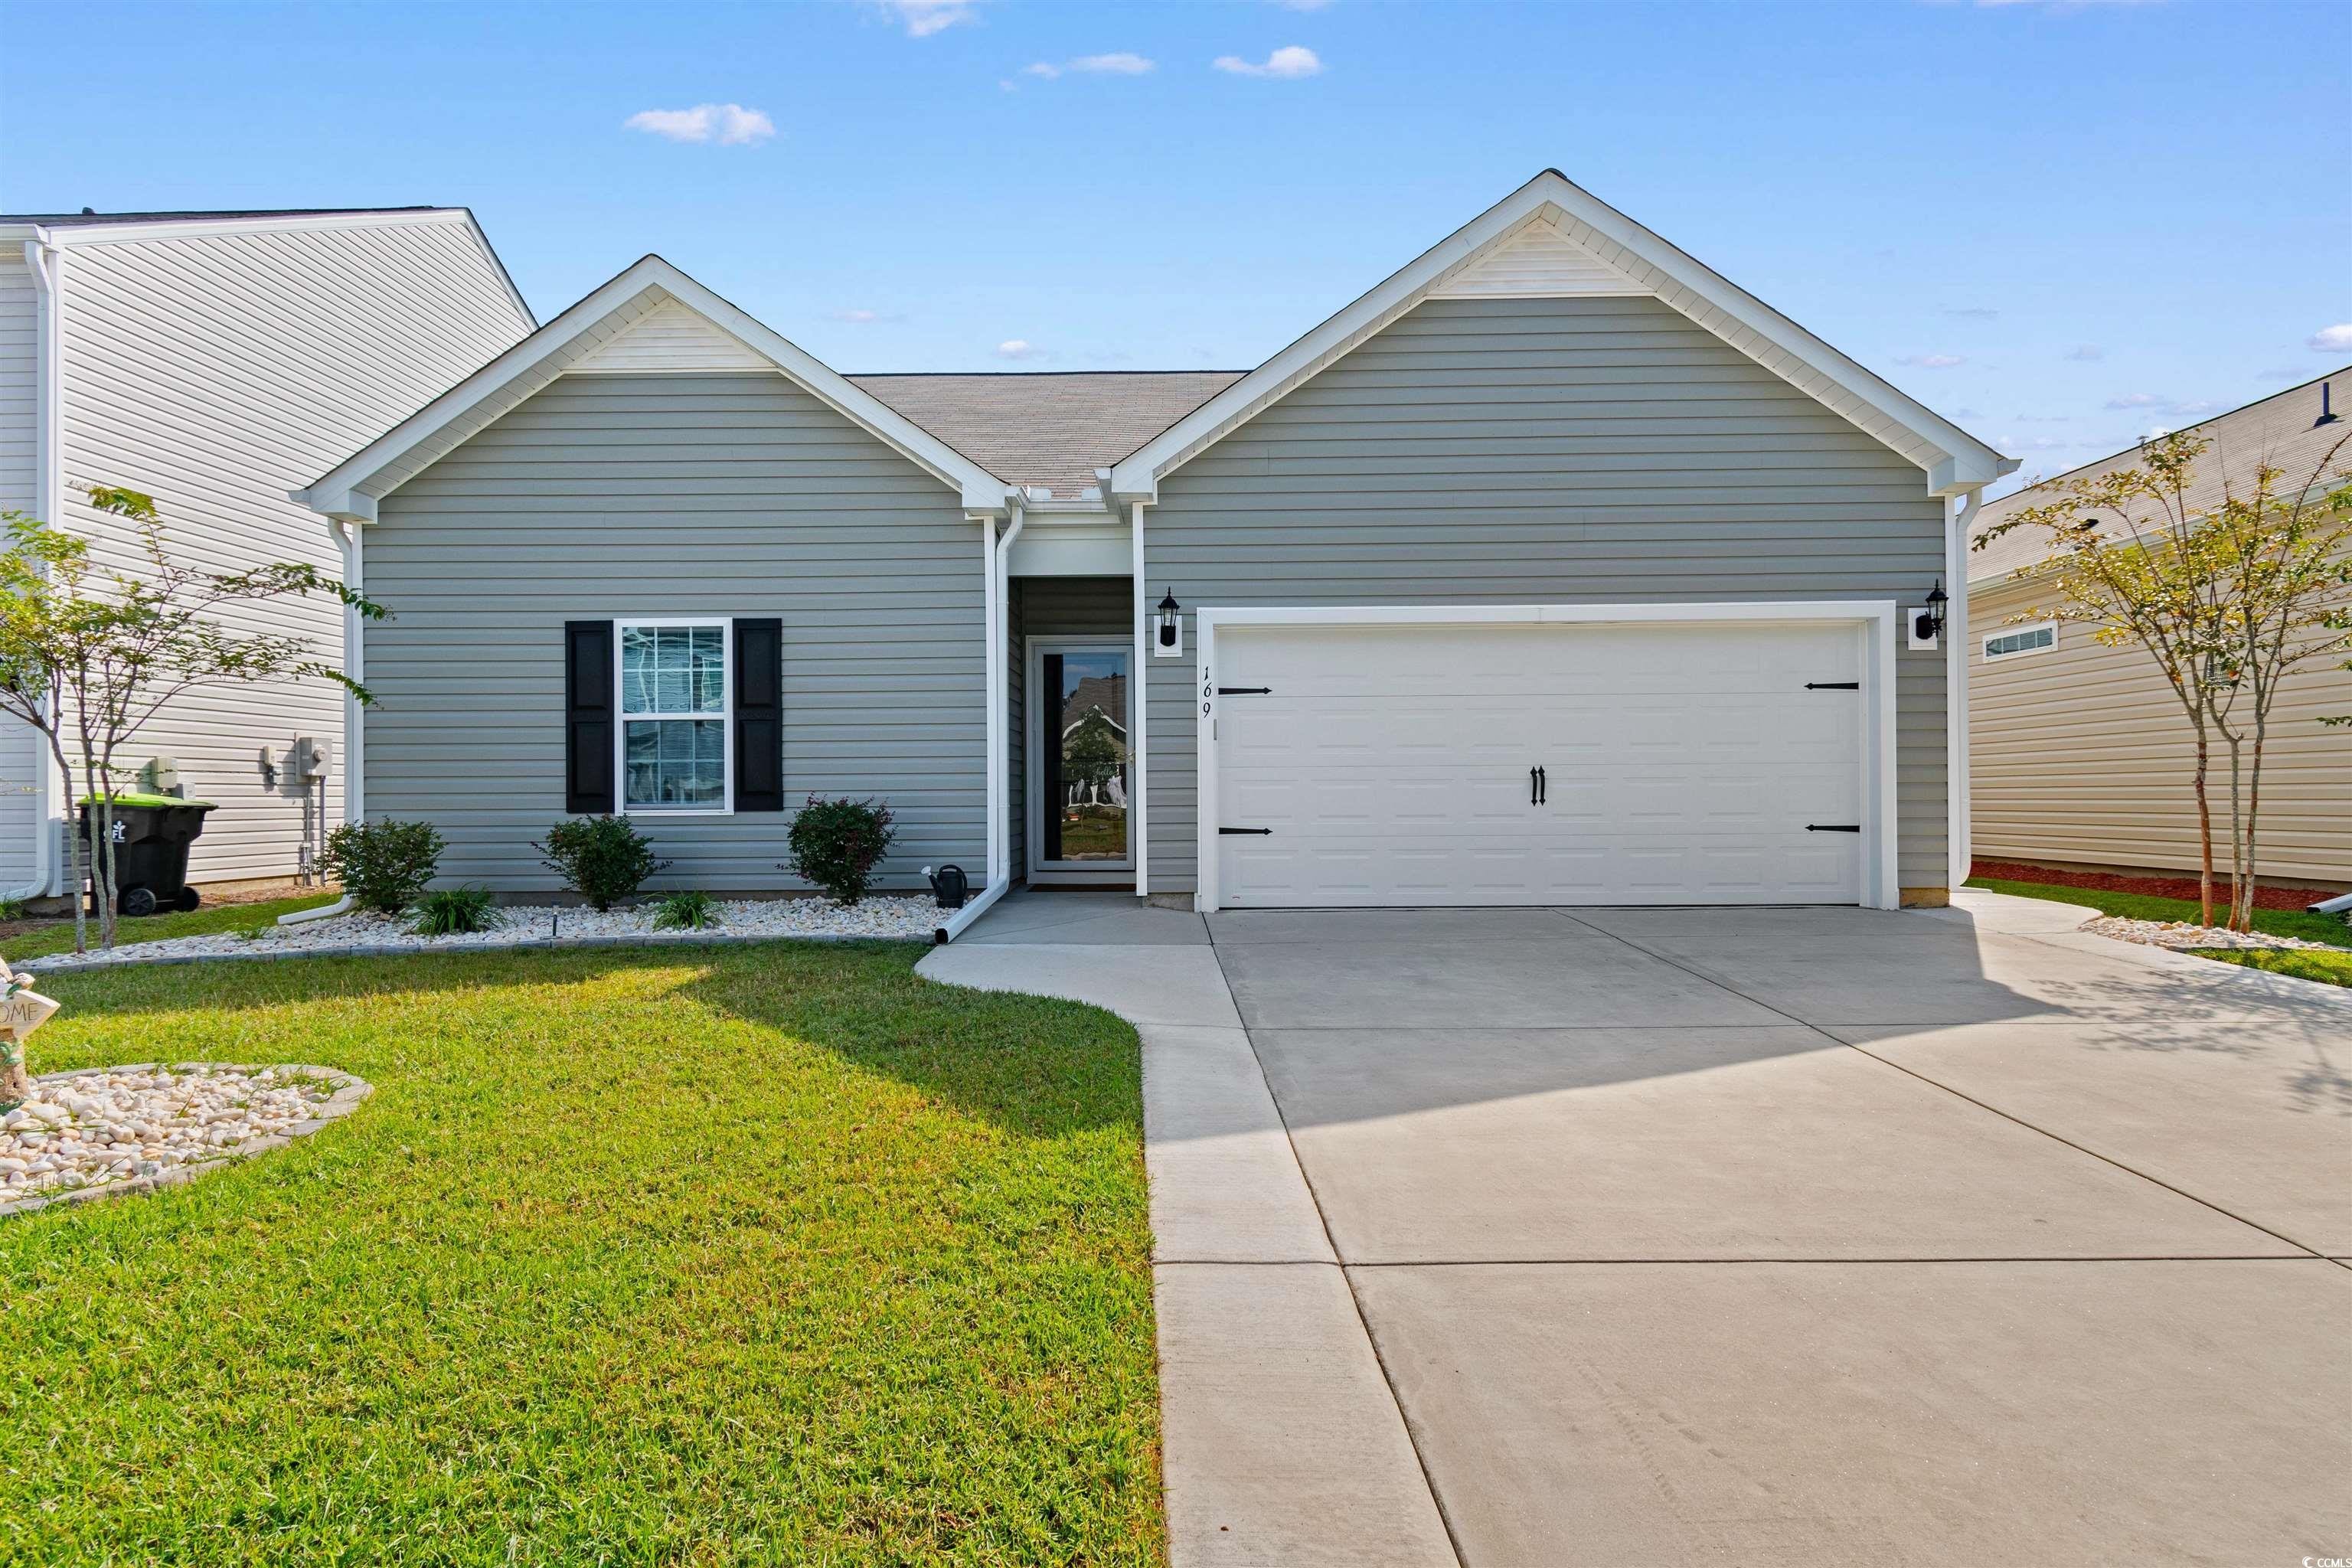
{"x": 2083, "y": 755}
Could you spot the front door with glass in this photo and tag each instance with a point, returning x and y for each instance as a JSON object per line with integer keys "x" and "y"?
{"x": 1080, "y": 719}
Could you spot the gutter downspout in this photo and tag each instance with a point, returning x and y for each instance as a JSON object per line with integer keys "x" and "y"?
{"x": 1139, "y": 805}
{"x": 46, "y": 262}
{"x": 347, "y": 543}
{"x": 996, "y": 555}
{"x": 1959, "y": 833}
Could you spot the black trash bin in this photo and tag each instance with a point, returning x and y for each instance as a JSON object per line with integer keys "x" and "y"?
{"x": 151, "y": 835}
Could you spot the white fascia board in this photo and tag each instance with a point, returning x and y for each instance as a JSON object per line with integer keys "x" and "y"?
{"x": 338, "y": 492}
{"x": 1137, "y": 477}
{"x": 198, "y": 228}
{"x": 73, "y": 234}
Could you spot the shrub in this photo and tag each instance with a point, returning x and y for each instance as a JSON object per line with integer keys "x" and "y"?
{"x": 837, "y": 844}
{"x": 383, "y": 866}
{"x": 453, "y": 911}
{"x": 601, "y": 858}
{"x": 690, "y": 910}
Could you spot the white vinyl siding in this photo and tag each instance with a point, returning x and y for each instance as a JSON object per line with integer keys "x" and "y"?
{"x": 22, "y": 756}
{"x": 217, "y": 373}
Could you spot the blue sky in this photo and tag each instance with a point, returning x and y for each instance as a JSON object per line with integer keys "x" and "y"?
{"x": 2061, "y": 224}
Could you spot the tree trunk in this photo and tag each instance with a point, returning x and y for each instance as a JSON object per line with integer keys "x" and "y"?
{"x": 2244, "y": 912}
{"x": 2204, "y": 830}
{"x": 2237, "y": 825}
{"x": 73, "y": 851}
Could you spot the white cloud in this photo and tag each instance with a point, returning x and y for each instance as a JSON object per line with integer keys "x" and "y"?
{"x": 921, "y": 19}
{"x": 1017, "y": 348}
{"x": 1290, "y": 62}
{"x": 2331, "y": 340}
{"x": 729, "y": 124}
{"x": 2136, "y": 400}
{"x": 865, "y": 318}
{"x": 1120, "y": 64}
{"x": 2087, "y": 352}
{"x": 2035, "y": 444}
{"x": 2170, "y": 407}
{"x": 1933, "y": 362}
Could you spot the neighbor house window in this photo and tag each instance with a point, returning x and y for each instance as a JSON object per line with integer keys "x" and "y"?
{"x": 675, "y": 700}
{"x": 2012, "y": 641}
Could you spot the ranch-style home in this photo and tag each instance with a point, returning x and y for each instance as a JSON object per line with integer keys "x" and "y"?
{"x": 1556, "y": 569}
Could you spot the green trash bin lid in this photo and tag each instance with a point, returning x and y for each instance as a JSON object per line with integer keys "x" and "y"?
{"x": 149, "y": 800}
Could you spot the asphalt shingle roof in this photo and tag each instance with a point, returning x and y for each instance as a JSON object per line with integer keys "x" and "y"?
{"x": 1046, "y": 427}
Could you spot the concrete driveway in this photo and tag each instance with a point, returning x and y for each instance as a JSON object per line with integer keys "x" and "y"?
{"x": 1802, "y": 1236}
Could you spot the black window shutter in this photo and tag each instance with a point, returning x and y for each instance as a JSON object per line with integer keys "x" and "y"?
{"x": 588, "y": 717}
{"x": 759, "y": 715}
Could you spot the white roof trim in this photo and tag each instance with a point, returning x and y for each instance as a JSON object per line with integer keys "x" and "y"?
{"x": 1954, "y": 460}
{"x": 353, "y": 489}
{"x": 66, "y": 236}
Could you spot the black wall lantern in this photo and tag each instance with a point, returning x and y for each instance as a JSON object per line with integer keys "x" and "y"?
{"x": 1929, "y": 622}
{"x": 1170, "y": 626}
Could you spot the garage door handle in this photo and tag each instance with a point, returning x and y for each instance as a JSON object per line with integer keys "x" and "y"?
{"x": 1833, "y": 827}
{"x": 1257, "y": 832}
{"x": 1834, "y": 686}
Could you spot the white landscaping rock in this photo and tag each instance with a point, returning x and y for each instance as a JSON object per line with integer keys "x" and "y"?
{"x": 889, "y": 919}
{"x": 2180, "y": 936}
{"x": 110, "y": 1131}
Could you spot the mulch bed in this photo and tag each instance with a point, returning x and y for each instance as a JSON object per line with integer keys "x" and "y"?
{"x": 2266, "y": 896}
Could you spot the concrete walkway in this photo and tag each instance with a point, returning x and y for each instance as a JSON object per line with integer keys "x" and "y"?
{"x": 1760, "y": 1236}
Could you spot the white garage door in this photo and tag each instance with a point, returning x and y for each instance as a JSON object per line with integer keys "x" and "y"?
{"x": 1711, "y": 762}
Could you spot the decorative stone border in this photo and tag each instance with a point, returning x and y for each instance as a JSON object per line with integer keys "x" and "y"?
{"x": 351, "y": 1090}
{"x": 44, "y": 967}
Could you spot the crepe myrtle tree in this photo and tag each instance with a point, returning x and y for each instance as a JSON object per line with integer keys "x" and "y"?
{"x": 2229, "y": 597}
{"x": 89, "y": 655}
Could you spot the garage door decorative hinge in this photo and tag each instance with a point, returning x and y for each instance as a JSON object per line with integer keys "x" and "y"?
{"x": 1244, "y": 690}
{"x": 1834, "y": 686}
{"x": 1833, "y": 827}
{"x": 1257, "y": 832}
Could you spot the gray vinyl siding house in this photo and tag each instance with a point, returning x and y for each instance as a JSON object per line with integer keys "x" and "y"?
{"x": 1498, "y": 450}
{"x": 671, "y": 495}
{"x": 1593, "y": 471}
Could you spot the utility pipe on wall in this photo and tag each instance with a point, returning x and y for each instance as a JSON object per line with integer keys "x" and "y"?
{"x": 995, "y": 555}
{"x": 1959, "y": 832}
{"x": 347, "y": 545}
{"x": 46, "y": 262}
{"x": 1137, "y": 751}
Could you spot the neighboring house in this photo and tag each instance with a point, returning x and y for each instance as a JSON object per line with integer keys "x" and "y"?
{"x": 218, "y": 362}
{"x": 1557, "y": 568}
{"x": 2081, "y": 755}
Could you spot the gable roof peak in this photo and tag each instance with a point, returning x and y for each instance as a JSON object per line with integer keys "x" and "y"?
{"x": 596, "y": 326}
{"x": 1605, "y": 251}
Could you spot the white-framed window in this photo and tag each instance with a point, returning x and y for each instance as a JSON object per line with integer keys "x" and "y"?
{"x": 2010, "y": 642}
{"x": 677, "y": 705}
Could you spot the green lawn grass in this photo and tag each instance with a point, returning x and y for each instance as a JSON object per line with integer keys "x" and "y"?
{"x": 2303, "y": 962}
{"x": 58, "y": 938}
{"x": 772, "y": 1254}
{"x": 2142, "y": 907}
